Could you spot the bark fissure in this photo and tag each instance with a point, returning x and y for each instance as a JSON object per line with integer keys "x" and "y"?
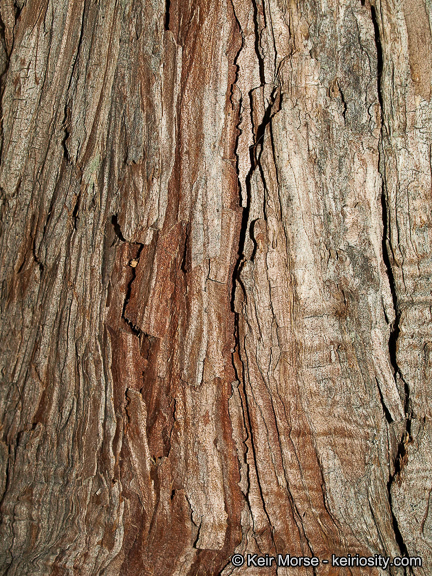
{"x": 243, "y": 228}
{"x": 167, "y": 14}
{"x": 117, "y": 229}
{"x": 246, "y": 233}
{"x": 395, "y": 327}
{"x": 380, "y": 61}
{"x": 133, "y": 264}
{"x": 258, "y": 41}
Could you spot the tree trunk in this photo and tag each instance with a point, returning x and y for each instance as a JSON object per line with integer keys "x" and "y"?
{"x": 216, "y": 293}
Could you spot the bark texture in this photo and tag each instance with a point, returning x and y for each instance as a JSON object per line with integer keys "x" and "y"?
{"x": 215, "y": 274}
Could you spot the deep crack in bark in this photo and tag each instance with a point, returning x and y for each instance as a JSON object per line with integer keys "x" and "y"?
{"x": 394, "y": 332}
{"x": 136, "y": 256}
{"x": 131, "y": 325}
{"x": 245, "y": 233}
{"x": 167, "y": 14}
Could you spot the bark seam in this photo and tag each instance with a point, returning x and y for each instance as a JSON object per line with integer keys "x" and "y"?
{"x": 394, "y": 332}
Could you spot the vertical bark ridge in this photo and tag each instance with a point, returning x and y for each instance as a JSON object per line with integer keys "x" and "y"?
{"x": 406, "y": 151}
{"x": 272, "y": 245}
{"x": 403, "y": 435}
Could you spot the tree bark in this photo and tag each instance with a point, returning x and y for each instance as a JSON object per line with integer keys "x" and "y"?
{"x": 216, "y": 296}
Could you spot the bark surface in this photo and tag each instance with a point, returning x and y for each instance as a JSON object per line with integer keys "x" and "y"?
{"x": 215, "y": 275}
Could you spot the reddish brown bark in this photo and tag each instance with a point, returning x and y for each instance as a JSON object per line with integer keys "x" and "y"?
{"x": 215, "y": 285}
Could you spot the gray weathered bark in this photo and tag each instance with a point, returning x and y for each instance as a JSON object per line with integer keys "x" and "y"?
{"x": 215, "y": 284}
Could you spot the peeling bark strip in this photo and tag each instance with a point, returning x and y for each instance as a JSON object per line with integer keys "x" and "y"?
{"x": 215, "y": 240}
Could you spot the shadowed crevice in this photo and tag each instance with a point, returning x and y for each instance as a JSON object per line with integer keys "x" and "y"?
{"x": 167, "y": 14}
{"x": 136, "y": 257}
{"x": 395, "y": 327}
{"x": 117, "y": 229}
{"x": 246, "y": 233}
